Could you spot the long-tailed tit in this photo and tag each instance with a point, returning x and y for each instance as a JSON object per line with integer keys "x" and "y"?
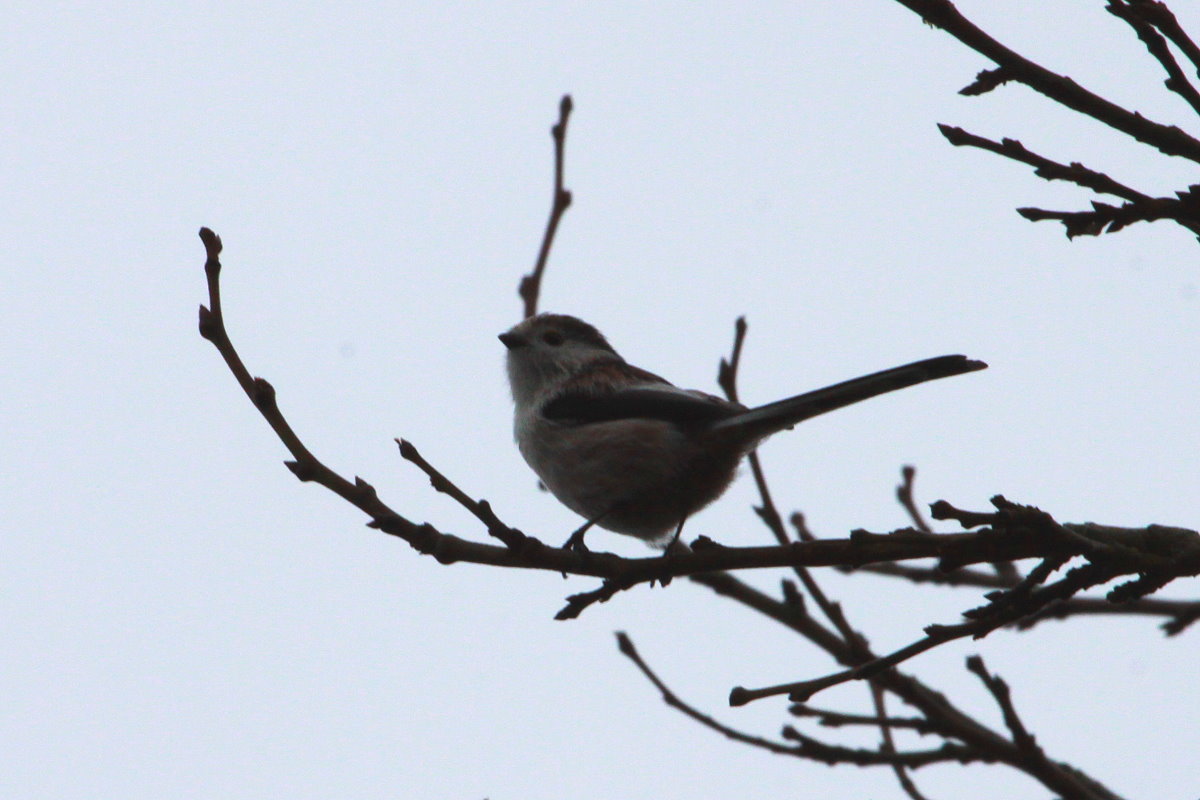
{"x": 629, "y": 451}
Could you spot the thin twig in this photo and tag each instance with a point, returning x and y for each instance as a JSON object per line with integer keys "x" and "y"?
{"x": 1152, "y": 21}
{"x": 305, "y": 465}
{"x": 815, "y": 750}
{"x": 768, "y": 512}
{"x": 942, "y": 717}
{"x": 1168, "y": 139}
{"x": 839, "y": 719}
{"x": 1138, "y": 16}
{"x": 904, "y": 493}
{"x": 1184, "y": 209}
{"x": 806, "y": 746}
{"x": 1032, "y": 758}
{"x": 1043, "y": 167}
{"x": 727, "y": 375}
{"x": 1181, "y": 613}
{"x": 999, "y": 690}
{"x": 727, "y": 371}
{"x": 481, "y": 509}
{"x": 1161, "y": 17}
{"x": 531, "y": 285}
{"x": 887, "y": 744}
{"x": 625, "y": 644}
{"x": 935, "y": 635}
{"x": 958, "y": 577}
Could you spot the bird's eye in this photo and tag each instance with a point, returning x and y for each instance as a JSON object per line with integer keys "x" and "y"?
{"x": 552, "y": 338}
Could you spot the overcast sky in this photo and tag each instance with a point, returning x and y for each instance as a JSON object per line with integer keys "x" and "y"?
{"x": 183, "y": 619}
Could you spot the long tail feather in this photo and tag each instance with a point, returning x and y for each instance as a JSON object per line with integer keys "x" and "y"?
{"x": 760, "y": 422}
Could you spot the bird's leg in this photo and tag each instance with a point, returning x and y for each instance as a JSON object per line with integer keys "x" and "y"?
{"x": 673, "y": 545}
{"x": 673, "y": 548}
{"x": 575, "y": 540}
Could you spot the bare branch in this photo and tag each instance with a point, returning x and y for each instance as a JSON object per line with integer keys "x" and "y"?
{"x": 305, "y": 465}
{"x": 999, "y": 689}
{"x": 1184, "y": 209}
{"x": 1168, "y": 139}
{"x": 1158, "y": 15}
{"x": 1154, "y": 24}
{"x": 727, "y": 371}
{"x": 1006, "y": 607}
{"x": 940, "y": 717}
{"x": 512, "y": 538}
{"x": 887, "y": 745}
{"x": 727, "y": 375}
{"x": 531, "y": 285}
{"x": 904, "y": 493}
{"x": 625, "y": 644}
{"x": 1032, "y": 758}
{"x": 855, "y": 642}
{"x": 957, "y": 577}
{"x": 1043, "y": 167}
{"x": 1181, "y": 613}
{"x": 839, "y": 719}
{"x": 1139, "y": 16}
{"x": 806, "y": 746}
{"x": 985, "y": 81}
{"x": 836, "y": 754}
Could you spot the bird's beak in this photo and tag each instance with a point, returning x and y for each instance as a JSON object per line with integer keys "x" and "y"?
{"x": 512, "y": 340}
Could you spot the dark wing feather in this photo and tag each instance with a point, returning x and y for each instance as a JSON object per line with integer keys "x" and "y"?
{"x": 682, "y": 409}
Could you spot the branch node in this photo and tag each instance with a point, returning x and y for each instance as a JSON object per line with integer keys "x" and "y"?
{"x": 987, "y": 80}
{"x": 301, "y": 469}
{"x": 263, "y": 395}
{"x": 208, "y": 323}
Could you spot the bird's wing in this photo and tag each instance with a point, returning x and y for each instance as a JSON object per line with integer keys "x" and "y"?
{"x": 661, "y": 401}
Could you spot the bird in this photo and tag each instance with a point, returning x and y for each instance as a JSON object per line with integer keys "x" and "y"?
{"x": 631, "y": 452}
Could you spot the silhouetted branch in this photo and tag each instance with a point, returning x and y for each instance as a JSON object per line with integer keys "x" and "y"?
{"x": 1158, "y": 15}
{"x": 862, "y": 757}
{"x": 999, "y": 689}
{"x": 625, "y": 644}
{"x": 481, "y": 509}
{"x": 855, "y": 642}
{"x": 1043, "y": 167}
{"x": 1139, "y": 15}
{"x": 840, "y": 719}
{"x": 1184, "y": 208}
{"x": 986, "y": 81}
{"x": 1006, "y": 608}
{"x": 1155, "y": 25}
{"x": 1181, "y": 613}
{"x": 727, "y": 374}
{"x": 904, "y": 494}
{"x": 887, "y": 745}
{"x": 806, "y": 747}
{"x": 938, "y": 715}
{"x": 1032, "y": 758}
{"x": 727, "y": 370}
{"x": 1168, "y": 139}
{"x": 531, "y": 285}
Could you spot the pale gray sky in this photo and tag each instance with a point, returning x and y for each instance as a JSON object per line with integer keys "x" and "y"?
{"x": 183, "y": 619}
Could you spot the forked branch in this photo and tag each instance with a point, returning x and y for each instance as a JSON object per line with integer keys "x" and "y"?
{"x": 1156, "y": 26}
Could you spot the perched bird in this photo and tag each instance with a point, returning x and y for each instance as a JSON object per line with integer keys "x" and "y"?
{"x": 631, "y": 452}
